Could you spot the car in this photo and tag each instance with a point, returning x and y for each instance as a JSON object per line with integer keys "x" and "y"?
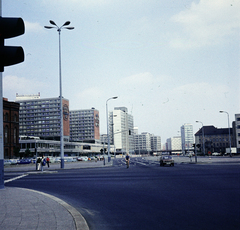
{"x": 216, "y": 154}
{"x": 166, "y": 160}
{"x": 7, "y": 162}
{"x": 24, "y": 161}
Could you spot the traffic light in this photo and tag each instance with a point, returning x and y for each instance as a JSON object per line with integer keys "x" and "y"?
{"x": 9, "y": 28}
{"x": 193, "y": 145}
{"x": 198, "y": 145}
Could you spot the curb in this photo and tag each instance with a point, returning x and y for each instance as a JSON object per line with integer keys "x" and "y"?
{"x": 79, "y": 220}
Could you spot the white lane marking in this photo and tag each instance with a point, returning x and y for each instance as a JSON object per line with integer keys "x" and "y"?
{"x": 15, "y": 178}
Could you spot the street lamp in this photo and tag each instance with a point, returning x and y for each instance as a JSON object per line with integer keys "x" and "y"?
{"x": 228, "y": 131}
{"x": 64, "y": 26}
{"x": 203, "y": 142}
{"x": 107, "y": 125}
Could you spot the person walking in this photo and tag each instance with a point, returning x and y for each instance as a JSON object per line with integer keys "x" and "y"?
{"x": 38, "y": 163}
{"x": 127, "y": 158}
{"x": 48, "y": 161}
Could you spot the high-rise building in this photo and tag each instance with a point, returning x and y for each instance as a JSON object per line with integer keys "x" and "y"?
{"x": 41, "y": 118}
{"x": 155, "y": 143}
{"x": 142, "y": 143}
{"x": 187, "y": 137}
{"x": 174, "y": 143}
{"x": 121, "y": 130}
{"x": 84, "y": 125}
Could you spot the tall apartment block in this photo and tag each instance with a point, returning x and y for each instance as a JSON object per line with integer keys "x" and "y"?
{"x": 121, "y": 130}
{"x": 174, "y": 143}
{"x": 41, "y": 117}
{"x": 84, "y": 125}
{"x": 187, "y": 137}
{"x": 155, "y": 143}
{"x": 142, "y": 143}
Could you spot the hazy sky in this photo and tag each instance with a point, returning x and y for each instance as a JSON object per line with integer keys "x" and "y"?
{"x": 170, "y": 62}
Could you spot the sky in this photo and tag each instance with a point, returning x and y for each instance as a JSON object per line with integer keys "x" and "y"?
{"x": 170, "y": 62}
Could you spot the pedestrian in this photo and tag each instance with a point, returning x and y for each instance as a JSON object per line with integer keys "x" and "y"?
{"x": 127, "y": 158}
{"x": 38, "y": 163}
{"x": 43, "y": 162}
{"x": 48, "y": 161}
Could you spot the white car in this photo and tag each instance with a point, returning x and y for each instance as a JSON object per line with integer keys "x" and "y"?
{"x": 216, "y": 154}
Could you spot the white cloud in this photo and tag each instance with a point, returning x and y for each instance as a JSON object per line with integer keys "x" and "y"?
{"x": 21, "y": 85}
{"x": 138, "y": 79}
{"x": 33, "y": 27}
{"x": 206, "y": 23}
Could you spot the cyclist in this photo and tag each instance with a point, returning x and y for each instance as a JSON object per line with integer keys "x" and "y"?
{"x": 127, "y": 158}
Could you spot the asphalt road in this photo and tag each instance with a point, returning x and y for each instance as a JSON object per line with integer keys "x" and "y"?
{"x": 147, "y": 196}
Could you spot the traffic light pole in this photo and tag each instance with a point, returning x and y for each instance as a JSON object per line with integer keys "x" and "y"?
{"x": 1, "y": 126}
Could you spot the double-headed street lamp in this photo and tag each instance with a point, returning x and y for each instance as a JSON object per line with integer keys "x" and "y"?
{"x": 228, "y": 131}
{"x": 203, "y": 142}
{"x": 64, "y": 26}
{"x": 108, "y": 127}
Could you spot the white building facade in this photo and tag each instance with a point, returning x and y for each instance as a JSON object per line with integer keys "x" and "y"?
{"x": 174, "y": 143}
{"x": 121, "y": 130}
{"x": 142, "y": 143}
{"x": 187, "y": 137}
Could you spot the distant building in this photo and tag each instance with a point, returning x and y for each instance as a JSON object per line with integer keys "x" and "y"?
{"x": 121, "y": 130}
{"x": 41, "y": 118}
{"x": 236, "y": 133}
{"x": 214, "y": 139}
{"x": 155, "y": 143}
{"x": 187, "y": 137}
{"x": 84, "y": 125}
{"x": 10, "y": 128}
{"x": 142, "y": 143}
{"x": 27, "y": 97}
{"x": 174, "y": 143}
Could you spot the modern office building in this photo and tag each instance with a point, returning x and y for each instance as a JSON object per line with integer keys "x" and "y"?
{"x": 121, "y": 130}
{"x": 214, "y": 139}
{"x": 174, "y": 143}
{"x": 84, "y": 125}
{"x": 187, "y": 137}
{"x": 155, "y": 143}
{"x": 41, "y": 118}
{"x": 10, "y": 128}
{"x": 142, "y": 143}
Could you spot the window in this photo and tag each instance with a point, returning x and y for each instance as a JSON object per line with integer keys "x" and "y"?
{"x": 6, "y": 117}
{"x": 6, "y": 134}
{"x": 15, "y": 135}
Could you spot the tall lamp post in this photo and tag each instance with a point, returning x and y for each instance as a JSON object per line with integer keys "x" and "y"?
{"x": 228, "y": 131}
{"x": 203, "y": 142}
{"x": 107, "y": 125}
{"x": 64, "y": 26}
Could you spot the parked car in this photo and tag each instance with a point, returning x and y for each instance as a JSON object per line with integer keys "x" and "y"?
{"x": 216, "y": 154}
{"x": 24, "y": 161}
{"x": 166, "y": 160}
{"x": 7, "y": 162}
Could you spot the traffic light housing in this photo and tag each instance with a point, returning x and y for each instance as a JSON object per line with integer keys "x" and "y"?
{"x": 9, "y": 28}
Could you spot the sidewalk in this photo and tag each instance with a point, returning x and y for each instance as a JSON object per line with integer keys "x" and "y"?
{"x": 28, "y": 209}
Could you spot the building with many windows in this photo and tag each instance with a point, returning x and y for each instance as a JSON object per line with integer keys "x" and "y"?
{"x": 156, "y": 143}
{"x": 174, "y": 143}
{"x": 121, "y": 130}
{"x": 41, "y": 118}
{"x": 84, "y": 125}
{"x": 187, "y": 137}
{"x": 142, "y": 143}
{"x": 10, "y": 128}
{"x": 214, "y": 139}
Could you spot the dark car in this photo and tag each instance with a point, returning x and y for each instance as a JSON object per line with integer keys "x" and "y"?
{"x": 166, "y": 160}
{"x": 24, "y": 161}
